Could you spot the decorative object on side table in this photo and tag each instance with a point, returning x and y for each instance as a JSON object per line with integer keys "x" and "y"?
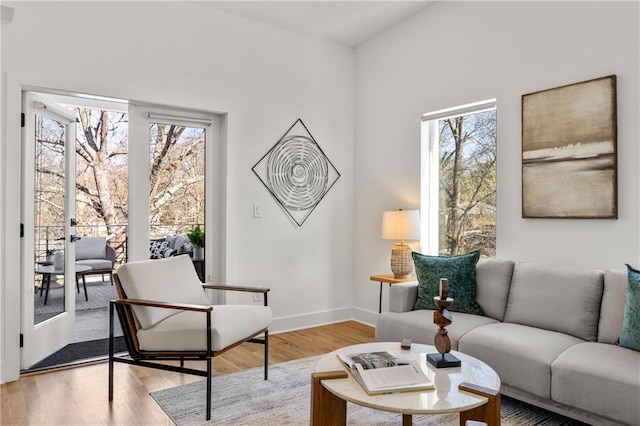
{"x": 442, "y": 318}
{"x": 58, "y": 259}
{"x": 196, "y": 237}
{"x": 297, "y": 172}
{"x": 401, "y": 225}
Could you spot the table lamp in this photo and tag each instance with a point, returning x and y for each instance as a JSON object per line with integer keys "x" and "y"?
{"x": 401, "y": 225}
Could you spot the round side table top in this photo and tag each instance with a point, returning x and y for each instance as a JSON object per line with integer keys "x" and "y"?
{"x": 50, "y": 269}
{"x": 445, "y": 398}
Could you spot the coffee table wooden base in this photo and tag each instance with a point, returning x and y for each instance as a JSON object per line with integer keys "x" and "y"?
{"x": 328, "y": 409}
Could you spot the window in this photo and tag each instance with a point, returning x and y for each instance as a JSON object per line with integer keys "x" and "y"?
{"x": 458, "y": 182}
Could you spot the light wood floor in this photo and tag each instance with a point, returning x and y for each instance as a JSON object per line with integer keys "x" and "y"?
{"x": 78, "y": 396}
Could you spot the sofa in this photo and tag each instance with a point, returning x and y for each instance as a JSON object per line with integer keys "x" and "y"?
{"x": 171, "y": 245}
{"x": 549, "y": 332}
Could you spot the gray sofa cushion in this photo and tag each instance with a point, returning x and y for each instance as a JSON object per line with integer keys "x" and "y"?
{"x": 419, "y": 327}
{"x": 613, "y": 302}
{"x": 91, "y": 248}
{"x": 599, "y": 378}
{"x": 97, "y": 264}
{"x": 521, "y": 355}
{"x": 554, "y": 298}
{"x": 493, "y": 279}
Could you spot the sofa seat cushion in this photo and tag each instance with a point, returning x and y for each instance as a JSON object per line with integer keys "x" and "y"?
{"x": 521, "y": 355}
{"x": 419, "y": 327}
{"x": 599, "y": 378}
{"x": 96, "y": 264}
{"x": 186, "y": 331}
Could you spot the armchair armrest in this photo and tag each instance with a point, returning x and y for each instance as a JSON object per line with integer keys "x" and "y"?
{"x": 263, "y": 290}
{"x": 154, "y": 304}
{"x": 111, "y": 255}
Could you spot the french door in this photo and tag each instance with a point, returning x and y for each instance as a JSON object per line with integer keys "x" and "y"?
{"x": 48, "y": 225}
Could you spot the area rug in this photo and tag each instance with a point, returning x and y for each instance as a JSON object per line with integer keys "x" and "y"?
{"x": 244, "y": 398}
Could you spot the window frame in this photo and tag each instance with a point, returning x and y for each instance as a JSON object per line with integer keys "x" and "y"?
{"x": 430, "y": 169}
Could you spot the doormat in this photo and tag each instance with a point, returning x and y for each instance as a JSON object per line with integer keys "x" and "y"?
{"x": 80, "y": 351}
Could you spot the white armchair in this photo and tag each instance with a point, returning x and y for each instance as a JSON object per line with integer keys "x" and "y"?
{"x": 166, "y": 315}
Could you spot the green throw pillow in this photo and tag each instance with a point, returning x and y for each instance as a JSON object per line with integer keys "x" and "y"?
{"x": 460, "y": 270}
{"x": 630, "y": 335}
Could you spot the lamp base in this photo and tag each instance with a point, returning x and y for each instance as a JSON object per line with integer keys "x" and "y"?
{"x": 401, "y": 260}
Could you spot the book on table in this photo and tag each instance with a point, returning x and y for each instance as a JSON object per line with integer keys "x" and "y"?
{"x": 382, "y": 372}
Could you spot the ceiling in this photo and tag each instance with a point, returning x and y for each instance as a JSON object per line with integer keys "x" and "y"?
{"x": 345, "y": 22}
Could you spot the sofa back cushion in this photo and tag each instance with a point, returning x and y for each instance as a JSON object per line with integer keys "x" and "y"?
{"x": 493, "y": 279}
{"x": 91, "y": 248}
{"x": 172, "y": 280}
{"x": 613, "y": 302}
{"x": 555, "y": 298}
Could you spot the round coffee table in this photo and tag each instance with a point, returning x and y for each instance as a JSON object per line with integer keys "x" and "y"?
{"x": 471, "y": 389}
{"x": 49, "y": 271}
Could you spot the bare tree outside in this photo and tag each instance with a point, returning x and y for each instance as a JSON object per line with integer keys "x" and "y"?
{"x": 468, "y": 184}
{"x": 102, "y": 174}
{"x": 176, "y": 180}
{"x": 177, "y": 171}
{"x": 49, "y": 183}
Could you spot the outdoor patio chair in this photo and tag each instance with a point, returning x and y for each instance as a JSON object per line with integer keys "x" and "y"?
{"x": 165, "y": 314}
{"x": 98, "y": 255}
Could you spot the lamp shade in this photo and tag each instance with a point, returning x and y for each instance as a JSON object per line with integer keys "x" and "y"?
{"x": 401, "y": 225}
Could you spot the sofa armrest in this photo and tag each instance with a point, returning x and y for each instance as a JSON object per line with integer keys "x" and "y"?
{"x": 402, "y": 297}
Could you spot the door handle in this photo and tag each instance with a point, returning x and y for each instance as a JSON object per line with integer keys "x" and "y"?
{"x": 74, "y": 238}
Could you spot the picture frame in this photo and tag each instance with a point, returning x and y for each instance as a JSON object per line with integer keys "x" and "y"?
{"x": 569, "y": 151}
{"x": 297, "y": 172}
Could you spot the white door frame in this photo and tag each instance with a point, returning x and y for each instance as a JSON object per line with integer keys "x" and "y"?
{"x": 14, "y": 84}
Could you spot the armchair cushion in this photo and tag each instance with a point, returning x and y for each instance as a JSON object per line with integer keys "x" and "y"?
{"x": 91, "y": 248}
{"x": 97, "y": 264}
{"x": 186, "y": 331}
{"x": 173, "y": 279}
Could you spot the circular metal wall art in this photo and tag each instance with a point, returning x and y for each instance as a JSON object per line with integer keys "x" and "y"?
{"x": 297, "y": 172}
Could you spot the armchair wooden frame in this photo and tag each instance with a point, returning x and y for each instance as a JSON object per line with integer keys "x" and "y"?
{"x": 137, "y": 356}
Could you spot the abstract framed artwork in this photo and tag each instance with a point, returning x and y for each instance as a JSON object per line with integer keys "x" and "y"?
{"x": 569, "y": 151}
{"x": 297, "y": 172}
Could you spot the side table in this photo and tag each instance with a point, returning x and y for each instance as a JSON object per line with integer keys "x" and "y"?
{"x": 389, "y": 279}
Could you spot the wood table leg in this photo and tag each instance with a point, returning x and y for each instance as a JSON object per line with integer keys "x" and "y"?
{"x": 489, "y": 412}
{"x": 326, "y": 408}
{"x": 407, "y": 420}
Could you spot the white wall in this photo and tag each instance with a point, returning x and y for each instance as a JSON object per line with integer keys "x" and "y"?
{"x": 263, "y": 77}
{"x": 454, "y": 53}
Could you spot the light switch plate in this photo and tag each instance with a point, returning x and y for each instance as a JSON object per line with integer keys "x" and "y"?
{"x": 257, "y": 210}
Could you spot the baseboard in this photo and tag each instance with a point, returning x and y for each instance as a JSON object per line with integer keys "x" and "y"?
{"x": 316, "y": 319}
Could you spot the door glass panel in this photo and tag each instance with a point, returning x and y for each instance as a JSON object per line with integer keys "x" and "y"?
{"x": 49, "y": 214}
{"x": 177, "y": 187}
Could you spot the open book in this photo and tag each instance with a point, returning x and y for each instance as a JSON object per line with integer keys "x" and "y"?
{"x": 381, "y": 372}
